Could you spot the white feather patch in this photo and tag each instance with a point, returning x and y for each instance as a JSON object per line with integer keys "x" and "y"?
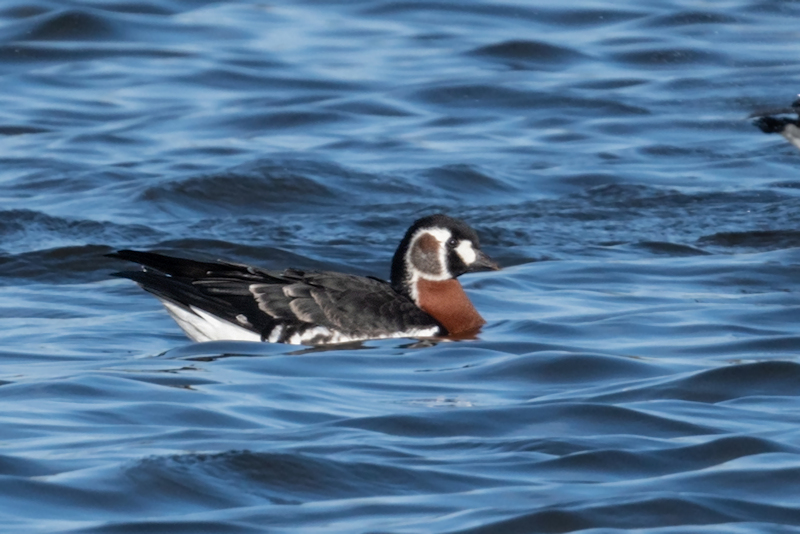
{"x": 275, "y": 335}
{"x": 792, "y": 134}
{"x": 466, "y": 251}
{"x": 200, "y": 325}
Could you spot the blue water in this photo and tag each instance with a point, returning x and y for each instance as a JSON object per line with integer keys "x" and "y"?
{"x": 639, "y": 371}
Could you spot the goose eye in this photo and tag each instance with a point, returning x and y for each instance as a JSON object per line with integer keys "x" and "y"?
{"x": 452, "y": 242}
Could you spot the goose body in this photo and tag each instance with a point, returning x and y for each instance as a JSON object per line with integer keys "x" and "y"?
{"x": 224, "y": 300}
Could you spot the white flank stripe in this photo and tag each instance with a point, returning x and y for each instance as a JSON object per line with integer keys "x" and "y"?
{"x": 200, "y": 325}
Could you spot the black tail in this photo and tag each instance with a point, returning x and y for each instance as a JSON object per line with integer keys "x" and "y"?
{"x": 219, "y": 288}
{"x": 178, "y": 267}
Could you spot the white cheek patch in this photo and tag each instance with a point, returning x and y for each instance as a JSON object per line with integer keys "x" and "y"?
{"x": 466, "y": 252}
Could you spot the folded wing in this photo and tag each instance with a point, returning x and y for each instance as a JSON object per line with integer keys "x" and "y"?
{"x": 219, "y": 300}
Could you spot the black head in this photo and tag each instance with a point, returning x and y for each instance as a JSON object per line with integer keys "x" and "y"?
{"x": 438, "y": 247}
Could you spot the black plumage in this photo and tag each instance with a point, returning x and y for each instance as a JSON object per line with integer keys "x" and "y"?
{"x": 316, "y": 306}
{"x": 780, "y": 121}
{"x": 222, "y": 300}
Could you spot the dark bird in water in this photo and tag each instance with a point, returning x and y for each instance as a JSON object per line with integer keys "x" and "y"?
{"x": 780, "y": 121}
{"x": 222, "y": 300}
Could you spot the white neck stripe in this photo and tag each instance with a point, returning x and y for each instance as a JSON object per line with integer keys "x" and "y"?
{"x": 414, "y": 274}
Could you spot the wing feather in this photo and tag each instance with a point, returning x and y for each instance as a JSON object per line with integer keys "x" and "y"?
{"x": 280, "y": 305}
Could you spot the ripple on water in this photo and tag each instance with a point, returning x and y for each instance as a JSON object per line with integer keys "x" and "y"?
{"x": 638, "y": 370}
{"x": 529, "y": 54}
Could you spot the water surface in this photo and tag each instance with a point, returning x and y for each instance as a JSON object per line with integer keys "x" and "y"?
{"x": 639, "y": 370}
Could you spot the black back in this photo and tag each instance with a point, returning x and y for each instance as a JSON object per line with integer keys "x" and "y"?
{"x": 354, "y": 306}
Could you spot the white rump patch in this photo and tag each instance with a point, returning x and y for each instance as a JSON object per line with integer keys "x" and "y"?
{"x": 200, "y": 325}
{"x": 466, "y": 251}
